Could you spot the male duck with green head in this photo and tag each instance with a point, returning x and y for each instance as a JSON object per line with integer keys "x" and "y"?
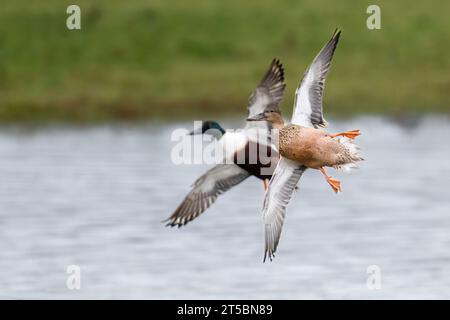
{"x": 244, "y": 155}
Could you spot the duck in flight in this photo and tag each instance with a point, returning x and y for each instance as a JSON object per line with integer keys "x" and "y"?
{"x": 239, "y": 147}
{"x": 303, "y": 144}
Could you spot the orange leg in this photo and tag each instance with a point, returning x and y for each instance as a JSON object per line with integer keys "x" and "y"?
{"x": 265, "y": 184}
{"x": 349, "y": 134}
{"x": 335, "y": 184}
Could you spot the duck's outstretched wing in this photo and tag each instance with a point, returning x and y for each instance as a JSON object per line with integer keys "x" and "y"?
{"x": 269, "y": 93}
{"x": 205, "y": 191}
{"x": 308, "y": 96}
{"x": 278, "y": 195}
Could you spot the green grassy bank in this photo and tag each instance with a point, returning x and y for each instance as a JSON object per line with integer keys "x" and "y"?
{"x": 160, "y": 59}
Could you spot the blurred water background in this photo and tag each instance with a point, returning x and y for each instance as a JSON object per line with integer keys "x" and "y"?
{"x": 95, "y": 197}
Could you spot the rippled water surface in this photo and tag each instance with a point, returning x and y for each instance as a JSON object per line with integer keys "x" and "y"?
{"x": 95, "y": 197}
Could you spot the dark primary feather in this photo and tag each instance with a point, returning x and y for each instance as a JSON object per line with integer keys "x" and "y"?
{"x": 269, "y": 93}
{"x": 205, "y": 191}
{"x": 312, "y": 85}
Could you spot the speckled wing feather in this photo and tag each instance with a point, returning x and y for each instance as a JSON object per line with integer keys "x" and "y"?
{"x": 205, "y": 191}
{"x": 269, "y": 93}
{"x": 278, "y": 195}
{"x": 308, "y": 96}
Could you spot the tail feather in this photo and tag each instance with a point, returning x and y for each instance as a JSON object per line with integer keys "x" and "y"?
{"x": 352, "y": 155}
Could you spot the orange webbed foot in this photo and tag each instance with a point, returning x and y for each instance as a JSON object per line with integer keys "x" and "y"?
{"x": 349, "y": 134}
{"x": 335, "y": 184}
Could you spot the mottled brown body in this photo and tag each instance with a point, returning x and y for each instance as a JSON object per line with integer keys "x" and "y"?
{"x": 313, "y": 148}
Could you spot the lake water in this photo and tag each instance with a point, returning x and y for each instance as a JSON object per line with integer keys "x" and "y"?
{"x": 95, "y": 197}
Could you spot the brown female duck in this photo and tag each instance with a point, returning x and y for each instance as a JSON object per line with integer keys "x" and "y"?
{"x": 303, "y": 145}
{"x": 313, "y": 148}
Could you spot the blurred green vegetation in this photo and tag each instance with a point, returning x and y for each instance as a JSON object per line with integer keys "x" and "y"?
{"x": 136, "y": 60}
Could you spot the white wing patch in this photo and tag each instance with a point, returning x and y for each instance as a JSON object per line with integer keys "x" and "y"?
{"x": 232, "y": 142}
{"x": 302, "y": 104}
{"x": 308, "y": 96}
{"x": 279, "y": 193}
{"x": 260, "y": 104}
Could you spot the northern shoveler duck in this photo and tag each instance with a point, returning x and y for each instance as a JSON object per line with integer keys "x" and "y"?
{"x": 240, "y": 149}
{"x": 302, "y": 144}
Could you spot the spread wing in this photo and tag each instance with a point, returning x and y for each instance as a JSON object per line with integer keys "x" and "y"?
{"x": 269, "y": 93}
{"x": 206, "y": 189}
{"x": 308, "y": 96}
{"x": 267, "y": 96}
{"x": 278, "y": 195}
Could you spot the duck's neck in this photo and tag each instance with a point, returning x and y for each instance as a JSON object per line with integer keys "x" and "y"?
{"x": 277, "y": 122}
{"x": 278, "y": 125}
